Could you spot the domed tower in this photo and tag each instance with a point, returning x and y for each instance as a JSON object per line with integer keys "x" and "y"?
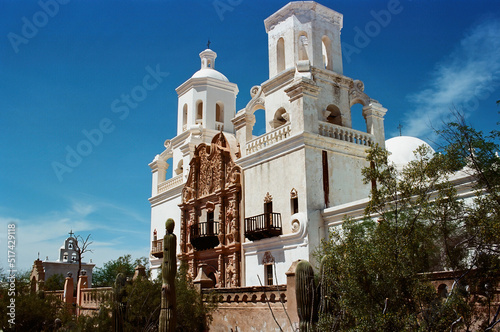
{"x": 207, "y": 99}
{"x": 206, "y": 106}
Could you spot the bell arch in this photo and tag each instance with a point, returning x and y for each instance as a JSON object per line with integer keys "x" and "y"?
{"x": 303, "y": 45}
{"x": 184, "y": 117}
{"x": 280, "y": 118}
{"x": 326, "y": 50}
{"x": 280, "y": 55}
{"x": 333, "y": 115}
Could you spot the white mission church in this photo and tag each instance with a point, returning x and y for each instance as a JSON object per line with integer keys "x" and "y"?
{"x": 246, "y": 207}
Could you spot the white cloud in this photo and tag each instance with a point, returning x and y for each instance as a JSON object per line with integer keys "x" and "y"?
{"x": 470, "y": 74}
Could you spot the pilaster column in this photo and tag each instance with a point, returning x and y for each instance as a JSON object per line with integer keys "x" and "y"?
{"x": 68, "y": 291}
{"x": 303, "y": 93}
{"x": 159, "y": 170}
{"x": 82, "y": 284}
{"x": 374, "y": 115}
{"x": 243, "y": 124}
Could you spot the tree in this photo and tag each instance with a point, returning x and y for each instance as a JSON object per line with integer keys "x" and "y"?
{"x": 105, "y": 276}
{"x": 378, "y": 269}
{"x": 82, "y": 246}
{"x": 143, "y": 298}
{"x": 33, "y": 311}
{"x": 143, "y": 304}
{"x": 193, "y": 314}
{"x": 54, "y": 282}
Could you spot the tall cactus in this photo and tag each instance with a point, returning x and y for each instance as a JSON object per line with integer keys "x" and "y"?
{"x": 305, "y": 291}
{"x": 168, "y": 320}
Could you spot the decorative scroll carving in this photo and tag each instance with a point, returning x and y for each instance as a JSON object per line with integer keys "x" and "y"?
{"x": 356, "y": 94}
{"x": 257, "y": 101}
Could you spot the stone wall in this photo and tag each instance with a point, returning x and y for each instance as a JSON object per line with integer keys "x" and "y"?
{"x": 253, "y": 309}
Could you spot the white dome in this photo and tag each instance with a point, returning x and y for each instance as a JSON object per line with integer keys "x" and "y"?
{"x": 401, "y": 149}
{"x": 209, "y": 72}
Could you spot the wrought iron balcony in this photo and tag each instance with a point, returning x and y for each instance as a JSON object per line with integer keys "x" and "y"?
{"x": 263, "y": 226}
{"x": 157, "y": 248}
{"x": 204, "y": 235}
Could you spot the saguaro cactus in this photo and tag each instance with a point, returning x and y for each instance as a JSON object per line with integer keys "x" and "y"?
{"x": 168, "y": 320}
{"x": 305, "y": 291}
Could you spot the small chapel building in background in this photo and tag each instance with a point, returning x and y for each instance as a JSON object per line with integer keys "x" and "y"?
{"x": 66, "y": 263}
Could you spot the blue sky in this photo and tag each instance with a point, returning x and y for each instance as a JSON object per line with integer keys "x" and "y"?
{"x": 63, "y": 68}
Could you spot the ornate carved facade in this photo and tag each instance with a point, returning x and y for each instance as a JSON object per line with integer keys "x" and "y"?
{"x": 210, "y": 210}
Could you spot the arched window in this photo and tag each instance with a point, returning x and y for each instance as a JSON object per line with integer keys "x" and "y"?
{"x": 333, "y": 115}
{"x": 357, "y": 119}
{"x": 259, "y": 127}
{"x": 443, "y": 291}
{"x": 199, "y": 110}
{"x": 269, "y": 274}
{"x": 219, "y": 112}
{"x": 280, "y": 118}
{"x": 280, "y": 54}
{"x": 184, "y": 116}
{"x": 33, "y": 284}
{"x": 180, "y": 167}
{"x": 303, "y": 46}
{"x": 326, "y": 48}
{"x": 294, "y": 201}
{"x": 168, "y": 173}
{"x": 65, "y": 257}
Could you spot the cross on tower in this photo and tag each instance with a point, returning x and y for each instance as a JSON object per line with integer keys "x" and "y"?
{"x": 400, "y": 127}
{"x": 71, "y": 233}
{"x": 208, "y": 44}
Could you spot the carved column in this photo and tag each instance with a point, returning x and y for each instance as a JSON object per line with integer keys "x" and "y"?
{"x": 158, "y": 169}
{"x": 182, "y": 239}
{"x": 235, "y": 230}
{"x": 236, "y": 276}
{"x": 220, "y": 272}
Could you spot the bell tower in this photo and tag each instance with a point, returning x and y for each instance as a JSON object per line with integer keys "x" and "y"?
{"x": 304, "y": 32}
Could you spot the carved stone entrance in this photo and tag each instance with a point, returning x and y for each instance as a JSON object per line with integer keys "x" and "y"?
{"x": 210, "y": 227}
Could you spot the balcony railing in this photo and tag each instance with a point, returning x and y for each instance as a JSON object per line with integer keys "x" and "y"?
{"x": 268, "y": 139}
{"x": 157, "y": 248}
{"x": 263, "y": 226}
{"x": 345, "y": 134}
{"x": 204, "y": 235}
{"x": 170, "y": 183}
